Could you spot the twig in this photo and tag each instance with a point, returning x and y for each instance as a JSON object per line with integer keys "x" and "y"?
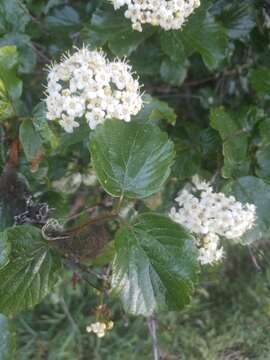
{"x": 254, "y": 260}
{"x": 92, "y": 221}
{"x": 112, "y": 215}
{"x": 90, "y": 271}
{"x": 152, "y": 326}
{"x": 68, "y": 315}
{"x": 91, "y": 284}
{"x": 33, "y": 18}
{"x": 14, "y": 151}
{"x": 36, "y": 47}
{"x": 119, "y": 204}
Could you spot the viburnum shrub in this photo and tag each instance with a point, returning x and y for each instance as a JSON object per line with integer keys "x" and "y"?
{"x": 135, "y": 148}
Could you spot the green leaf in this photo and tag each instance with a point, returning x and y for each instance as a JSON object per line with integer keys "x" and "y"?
{"x": 187, "y": 161}
{"x": 26, "y": 55}
{"x": 79, "y": 135}
{"x": 128, "y": 41}
{"x": 63, "y": 18}
{"x": 6, "y": 108}
{"x": 204, "y": 35}
{"x": 155, "y": 109}
{"x": 106, "y": 256}
{"x": 146, "y": 60}
{"x": 7, "y": 339}
{"x": 210, "y": 142}
{"x": 254, "y": 191}
{"x": 13, "y": 16}
{"x": 10, "y": 85}
{"x": 263, "y": 162}
{"x": 172, "y": 46}
{"x": 3, "y": 151}
{"x": 260, "y": 80}
{"x": 235, "y": 142}
{"x": 155, "y": 265}
{"x": 239, "y": 18}
{"x": 4, "y": 249}
{"x": 31, "y": 272}
{"x": 108, "y": 25}
{"x": 30, "y": 140}
{"x": 131, "y": 159}
{"x": 264, "y": 128}
{"x": 42, "y": 127}
{"x": 173, "y": 73}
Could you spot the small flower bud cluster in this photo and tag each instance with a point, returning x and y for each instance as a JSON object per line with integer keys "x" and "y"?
{"x": 86, "y": 84}
{"x": 212, "y": 215}
{"x": 169, "y": 14}
{"x": 100, "y": 328}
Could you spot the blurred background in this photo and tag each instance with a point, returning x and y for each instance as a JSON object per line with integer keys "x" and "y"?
{"x": 229, "y": 319}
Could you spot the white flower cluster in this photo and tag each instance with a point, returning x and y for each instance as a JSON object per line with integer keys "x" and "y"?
{"x": 212, "y": 215}
{"x": 169, "y": 14}
{"x": 86, "y": 84}
{"x": 99, "y": 328}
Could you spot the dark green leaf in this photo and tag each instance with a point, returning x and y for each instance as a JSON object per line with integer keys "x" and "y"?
{"x": 260, "y": 80}
{"x": 263, "y": 162}
{"x": 128, "y": 41}
{"x": 13, "y": 16}
{"x": 187, "y": 162}
{"x": 31, "y": 272}
{"x": 155, "y": 109}
{"x": 264, "y": 129}
{"x": 235, "y": 142}
{"x": 30, "y": 140}
{"x": 204, "y": 35}
{"x": 10, "y": 85}
{"x": 6, "y": 108}
{"x": 7, "y": 339}
{"x": 131, "y": 159}
{"x": 254, "y": 191}
{"x": 3, "y": 151}
{"x": 4, "y": 249}
{"x": 239, "y": 18}
{"x": 172, "y": 46}
{"x": 27, "y": 56}
{"x": 41, "y": 125}
{"x": 105, "y": 257}
{"x": 155, "y": 265}
{"x": 79, "y": 135}
{"x": 63, "y": 18}
{"x": 210, "y": 141}
{"x": 147, "y": 59}
{"x": 173, "y": 73}
{"x": 111, "y": 26}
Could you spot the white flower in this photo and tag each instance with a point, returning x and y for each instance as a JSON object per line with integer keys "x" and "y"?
{"x": 90, "y": 178}
{"x": 100, "y": 328}
{"x": 68, "y": 123}
{"x": 209, "y": 250}
{"x": 168, "y": 14}
{"x": 212, "y": 215}
{"x": 86, "y": 85}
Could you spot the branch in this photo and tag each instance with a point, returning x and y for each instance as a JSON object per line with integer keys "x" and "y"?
{"x": 92, "y": 221}
{"x": 254, "y": 260}
{"x": 14, "y": 151}
{"x": 152, "y": 327}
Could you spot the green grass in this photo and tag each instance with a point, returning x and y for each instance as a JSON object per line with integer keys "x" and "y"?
{"x": 229, "y": 319}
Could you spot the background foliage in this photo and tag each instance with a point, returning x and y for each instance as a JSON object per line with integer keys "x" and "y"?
{"x": 206, "y": 89}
